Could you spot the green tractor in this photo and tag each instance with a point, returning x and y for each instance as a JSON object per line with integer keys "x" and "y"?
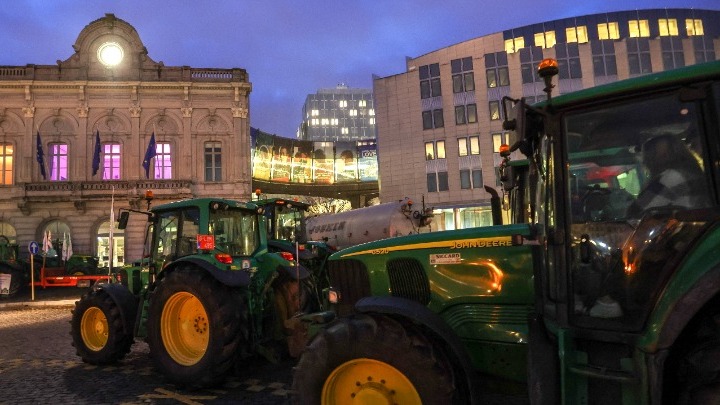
{"x": 287, "y": 234}
{"x": 207, "y": 293}
{"x": 15, "y": 274}
{"x": 604, "y": 288}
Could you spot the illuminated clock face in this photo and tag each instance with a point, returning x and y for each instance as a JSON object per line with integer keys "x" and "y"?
{"x": 110, "y": 54}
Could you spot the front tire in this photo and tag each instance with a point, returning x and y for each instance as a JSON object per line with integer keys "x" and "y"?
{"x": 97, "y": 329}
{"x": 194, "y": 327}
{"x": 372, "y": 360}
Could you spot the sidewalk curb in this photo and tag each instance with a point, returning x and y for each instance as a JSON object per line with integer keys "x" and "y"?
{"x": 35, "y": 304}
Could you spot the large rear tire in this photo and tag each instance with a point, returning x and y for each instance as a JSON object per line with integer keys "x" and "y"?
{"x": 372, "y": 360}
{"x": 97, "y": 329}
{"x": 17, "y": 280}
{"x": 194, "y": 328}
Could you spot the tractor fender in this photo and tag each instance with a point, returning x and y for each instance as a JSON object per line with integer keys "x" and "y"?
{"x": 232, "y": 278}
{"x": 419, "y": 314}
{"x": 125, "y": 300}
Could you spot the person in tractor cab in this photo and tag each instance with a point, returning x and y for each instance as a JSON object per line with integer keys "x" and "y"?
{"x": 675, "y": 177}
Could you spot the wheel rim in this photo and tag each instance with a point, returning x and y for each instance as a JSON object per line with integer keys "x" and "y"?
{"x": 94, "y": 329}
{"x": 368, "y": 381}
{"x": 185, "y": 328}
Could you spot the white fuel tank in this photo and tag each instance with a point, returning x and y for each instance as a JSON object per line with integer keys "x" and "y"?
{"x": 367, "y": 224}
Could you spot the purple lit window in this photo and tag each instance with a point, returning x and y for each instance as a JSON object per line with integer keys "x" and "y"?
{"x": 58, "y": 163}
{"x": 112, "y": 160}
{"x": 163, "y": 162}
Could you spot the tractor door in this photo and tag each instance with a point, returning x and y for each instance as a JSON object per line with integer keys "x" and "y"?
{"x": 628, "y": 187}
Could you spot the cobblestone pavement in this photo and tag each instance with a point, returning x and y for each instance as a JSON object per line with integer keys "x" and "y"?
{"x": 38, "y": 365}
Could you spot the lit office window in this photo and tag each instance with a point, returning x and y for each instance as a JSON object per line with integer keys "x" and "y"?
{"x": 515, "y": 44}
{"x": 58, "y": 162}
{"x": 639, "y": 28}
{"x": 362, "y": 103}
{"x": 429, "y": 150}
{"x": 462, "y": 147}
{"x": 315, "y": 113}
{"x": 371, "y": 121}
{"x": 353, "y": 113}
{"x": 498, "y": 139}
{"x": 334, "y": 121}
{"x": 371, "y": 112}
{"x": 694, "y": 27}
{"x": 608, "y": 30}
{"x": 469, "y": 146}
{"x": 213, "y": 161}
{"x": 668, "y": 27}
{"x": 163, "y": 162}
{"x": 344, "y": 130}
{"x": 440, "y": 148}
{"x": 545, "y": 39}
{"x": 342, "y": 103}
{"x": 112, "y": 159}
{"x": 324, "y": 121}
{"x": 577, "y": 34}
{"x": 474, "y": 145}
{"x": 6, "y": 164}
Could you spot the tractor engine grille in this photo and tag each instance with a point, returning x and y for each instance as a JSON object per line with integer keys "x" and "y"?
{"x": 408, "y": 280}
{"x": 350, "y": 278}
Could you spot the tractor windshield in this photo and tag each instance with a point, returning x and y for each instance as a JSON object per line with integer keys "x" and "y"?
{"x": 236, "y": 231}
{"x": 631, "y": 167}
{"x": 288, "y": 223}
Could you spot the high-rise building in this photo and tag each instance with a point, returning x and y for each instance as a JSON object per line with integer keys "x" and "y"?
{"x": 104, "y": 125}
{"x": 439, "y": 125}
{"x": 338, "y": 114}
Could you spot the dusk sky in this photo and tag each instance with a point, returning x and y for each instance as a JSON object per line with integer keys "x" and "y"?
{"x": 289, "y": 48}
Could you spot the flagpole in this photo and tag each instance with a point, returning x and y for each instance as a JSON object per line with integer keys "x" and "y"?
{"x": 112, "y": 227}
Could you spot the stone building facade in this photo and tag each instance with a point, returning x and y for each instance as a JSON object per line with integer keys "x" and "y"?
{"x": 112, "y": 90}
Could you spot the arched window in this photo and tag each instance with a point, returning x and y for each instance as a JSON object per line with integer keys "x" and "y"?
{"x": 57, "y": 232}
{"x": 8, "y": 231}
{"x": 103, "y": 246}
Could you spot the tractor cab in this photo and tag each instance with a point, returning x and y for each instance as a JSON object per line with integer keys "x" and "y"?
{"x": 625, "y": 210}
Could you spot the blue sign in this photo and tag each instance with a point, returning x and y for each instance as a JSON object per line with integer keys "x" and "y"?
{"x": 33, "y": 247}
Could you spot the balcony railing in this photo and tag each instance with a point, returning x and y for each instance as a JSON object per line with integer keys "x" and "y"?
{"x": 104, "y": 189}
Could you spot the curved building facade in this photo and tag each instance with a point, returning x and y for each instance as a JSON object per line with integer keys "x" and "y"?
{"x": 439, "y": 123}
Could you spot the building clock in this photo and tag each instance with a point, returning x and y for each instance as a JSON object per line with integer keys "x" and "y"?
{"x": 110, "y": 54}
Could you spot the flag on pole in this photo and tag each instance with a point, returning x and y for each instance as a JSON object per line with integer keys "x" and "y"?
{"x": 96, "y": 154}
{"x": 149, "y": 154}
{"x": 47, "y": 244}
{"x": 67, "y": 247}
{"x": 40, "y": 156}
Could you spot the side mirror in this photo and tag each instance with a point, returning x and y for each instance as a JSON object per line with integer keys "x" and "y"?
{"x": 123, "y": 220}
{"x": 507, "y": 177}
